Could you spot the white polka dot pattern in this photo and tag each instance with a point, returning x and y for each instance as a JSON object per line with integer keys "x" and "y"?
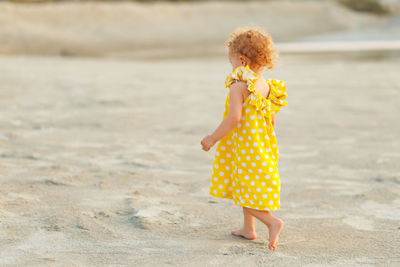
{"x": 245, "y": 163}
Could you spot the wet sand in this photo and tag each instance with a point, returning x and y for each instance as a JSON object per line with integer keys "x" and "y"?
{"x": 101, "y": 164}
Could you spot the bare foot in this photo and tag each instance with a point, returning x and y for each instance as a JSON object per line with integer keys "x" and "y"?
{"x": 251, "y": 235}
{"x": 274, "y": 231}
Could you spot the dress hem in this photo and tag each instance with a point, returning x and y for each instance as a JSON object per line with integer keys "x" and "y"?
{"x": 241, "y": 204}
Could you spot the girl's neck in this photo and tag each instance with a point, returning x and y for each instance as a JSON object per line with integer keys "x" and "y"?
{"x": 259, "y": 71}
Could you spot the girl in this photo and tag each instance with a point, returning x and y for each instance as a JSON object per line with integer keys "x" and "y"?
{"x": 246, "y": 158}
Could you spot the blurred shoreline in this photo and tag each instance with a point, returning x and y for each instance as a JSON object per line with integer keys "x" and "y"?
{"x": 132, "y": 30}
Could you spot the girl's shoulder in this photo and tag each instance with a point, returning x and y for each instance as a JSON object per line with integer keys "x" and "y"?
{"x": 239, "y": 88}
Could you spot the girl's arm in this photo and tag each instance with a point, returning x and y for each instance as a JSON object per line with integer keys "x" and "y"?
{"x": 231, "y": 120}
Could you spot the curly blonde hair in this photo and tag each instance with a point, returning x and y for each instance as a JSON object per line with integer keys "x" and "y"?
{"x": 255, "y": 44}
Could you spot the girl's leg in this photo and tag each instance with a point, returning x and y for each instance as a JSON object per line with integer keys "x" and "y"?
{"x": 274, "y": 225}
{"x": 248, "y": 231}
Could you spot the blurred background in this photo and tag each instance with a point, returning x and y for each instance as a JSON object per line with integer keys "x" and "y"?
{"x": 103, "y": 105}
{"x": 165, "y": 29}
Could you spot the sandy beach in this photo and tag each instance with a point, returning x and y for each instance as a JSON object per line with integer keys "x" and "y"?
{"x": 101, "y": 162}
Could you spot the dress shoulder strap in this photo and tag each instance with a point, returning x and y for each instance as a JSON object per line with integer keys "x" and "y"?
{"x": 242, "y": 73}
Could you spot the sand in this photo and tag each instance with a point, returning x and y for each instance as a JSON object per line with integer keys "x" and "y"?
{"x": 101, "y": 162}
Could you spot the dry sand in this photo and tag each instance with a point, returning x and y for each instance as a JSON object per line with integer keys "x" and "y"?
{"x": 101, "y": 162}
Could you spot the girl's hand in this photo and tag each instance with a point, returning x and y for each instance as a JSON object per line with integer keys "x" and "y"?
{"x": 273, "y": 120}
{"x": 208, "y": 142}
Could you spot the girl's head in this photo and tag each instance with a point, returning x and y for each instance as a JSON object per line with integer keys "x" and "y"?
{"x": 253, "y": 47}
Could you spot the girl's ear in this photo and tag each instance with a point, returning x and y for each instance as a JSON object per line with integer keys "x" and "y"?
{"x": 242, "y": 60}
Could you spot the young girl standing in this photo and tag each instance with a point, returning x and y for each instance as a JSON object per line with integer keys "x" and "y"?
{"x": 246, "y": 157}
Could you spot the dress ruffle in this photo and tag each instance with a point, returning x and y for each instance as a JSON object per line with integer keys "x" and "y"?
{"x": 268, "y": 106}
{"x": 278, "y": 95}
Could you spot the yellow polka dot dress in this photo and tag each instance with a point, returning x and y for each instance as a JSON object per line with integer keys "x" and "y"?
{"x": 245, "y": 164}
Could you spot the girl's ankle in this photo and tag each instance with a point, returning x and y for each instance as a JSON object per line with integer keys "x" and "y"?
{"x": 249, "y": 230}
